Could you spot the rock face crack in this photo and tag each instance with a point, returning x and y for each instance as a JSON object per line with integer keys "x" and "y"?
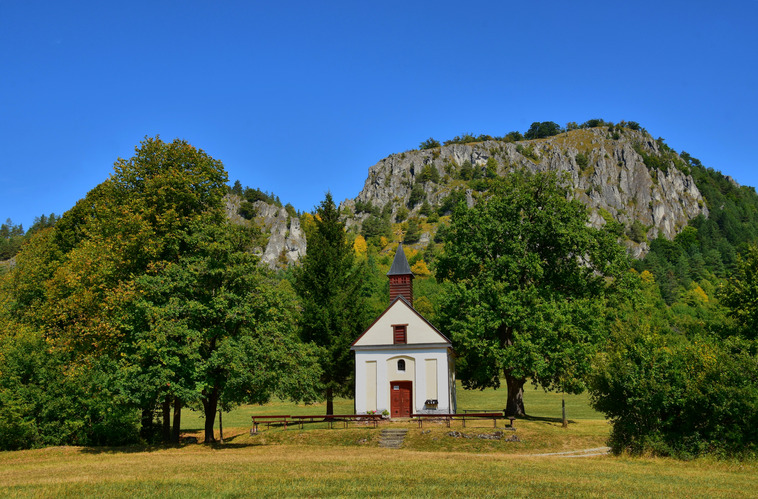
{"x": 392, "y": 438}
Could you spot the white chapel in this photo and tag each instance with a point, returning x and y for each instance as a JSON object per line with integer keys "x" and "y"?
{"x": 403, "y": 364}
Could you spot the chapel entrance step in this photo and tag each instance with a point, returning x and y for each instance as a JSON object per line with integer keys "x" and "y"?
{"x": 392, "y": 438}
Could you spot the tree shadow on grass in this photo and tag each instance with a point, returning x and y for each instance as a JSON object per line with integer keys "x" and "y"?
{"x": 229, "y": 443}
{"x": 545, "y": 419}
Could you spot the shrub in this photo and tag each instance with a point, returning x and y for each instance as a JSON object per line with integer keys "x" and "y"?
{"x": 513, "y": 137}
{"x": 366, "y": 207}
{"x": 429, "y": 173}
{"x": 429, "y": 143}
{"x": 451, "y": 201}
{"x": 401, "y": 214}
{"x": 637, "y": 232}
{"x": 247, "y": 210}
{"x": 527, "y": 152}
{"x": 426, "y": 209}
{"x": 669, "y": 395}
{"x": 540, "y": 130}
{"x": 416, "y": 196}
{"x": 581, "y": 161}
{"x": 375, "y": 227}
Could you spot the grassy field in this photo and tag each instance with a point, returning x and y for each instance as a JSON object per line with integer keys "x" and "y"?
{"x": 538, "y": 404}
{"x": 348, "y": 462}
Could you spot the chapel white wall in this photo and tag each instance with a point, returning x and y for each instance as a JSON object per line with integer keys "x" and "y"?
{"x": 386, "y": 372}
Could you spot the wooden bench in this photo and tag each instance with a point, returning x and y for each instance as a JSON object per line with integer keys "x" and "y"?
{"x": 269, "y": 419}
{"x": 331, "y": 418}
{"x": 466, "y": 415}
{"x": 510, "y": 418}
{"x": 482, "y": 415}
{"x": 421, "y": 417}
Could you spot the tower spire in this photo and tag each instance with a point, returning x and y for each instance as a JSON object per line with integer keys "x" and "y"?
{"x": 401, "y": 277}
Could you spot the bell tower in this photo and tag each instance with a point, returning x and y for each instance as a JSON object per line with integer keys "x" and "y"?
{"x": 401, "y": 277}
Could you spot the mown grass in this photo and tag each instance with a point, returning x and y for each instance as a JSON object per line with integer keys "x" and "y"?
{"x": 320, "y": 462}
{"x": 290, "y": 471}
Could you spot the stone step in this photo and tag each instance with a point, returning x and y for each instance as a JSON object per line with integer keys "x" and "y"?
{"x": 392, "y": 438}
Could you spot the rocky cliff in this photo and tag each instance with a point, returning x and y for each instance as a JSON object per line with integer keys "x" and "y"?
{"x": 285, "y": 242}
{"x": 606, "y": 170}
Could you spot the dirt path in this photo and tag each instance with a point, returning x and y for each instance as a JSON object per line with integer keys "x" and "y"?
{"x": 597, "y": 451}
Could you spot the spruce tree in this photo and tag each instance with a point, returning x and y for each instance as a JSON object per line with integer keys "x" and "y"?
{"x": 334, "y": 308}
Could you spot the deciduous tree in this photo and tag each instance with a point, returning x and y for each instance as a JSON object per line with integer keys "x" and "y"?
{"x": 528, "y": 276}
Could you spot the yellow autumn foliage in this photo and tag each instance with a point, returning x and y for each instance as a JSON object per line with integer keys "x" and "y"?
{"x": 420, "y": 269}
{"x": 647, "y": 277}
{"x": 359, "y": 246}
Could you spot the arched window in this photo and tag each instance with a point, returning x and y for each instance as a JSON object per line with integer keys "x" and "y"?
{"x": 401, "y": 365}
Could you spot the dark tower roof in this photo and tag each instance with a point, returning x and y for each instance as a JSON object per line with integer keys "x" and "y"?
{"x": 400, "y": 263}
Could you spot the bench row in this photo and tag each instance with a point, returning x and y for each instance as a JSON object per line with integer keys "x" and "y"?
{"x": 268, "y": 420}
{"x": 301, "y": 420}
{"x": 494, "y": 416}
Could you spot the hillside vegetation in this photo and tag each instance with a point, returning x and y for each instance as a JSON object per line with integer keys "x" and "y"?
{"x": 164, "y": 288}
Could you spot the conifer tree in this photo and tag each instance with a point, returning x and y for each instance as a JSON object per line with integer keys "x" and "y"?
{"x": 331, "y": 288}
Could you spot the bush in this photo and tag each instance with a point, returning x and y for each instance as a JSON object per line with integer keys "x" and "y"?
{"x": 46, "y": 400}
{"x": 429, "y": 173}
{"x": 429, "y": 143}
{"x": 527, "y": 152}
{"x": 366, "y": 207}
{"x": 416, "y": 196}
{"x": 450, "y": 202}
{"x": 637, "y": 232}
{"x": 668, "y": 395}
{"x": 247, "y": 210}
{"x": 540, "y": 130}
{"x": 401, "y": 214}
{"x": 426, "y": 209}
{"x": 513, "y": 137}
{"x": 376, "y": 227}
{"x": 581, "y": 161}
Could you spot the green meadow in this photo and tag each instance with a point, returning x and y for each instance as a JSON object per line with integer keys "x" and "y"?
{"x": 317, "y": 461}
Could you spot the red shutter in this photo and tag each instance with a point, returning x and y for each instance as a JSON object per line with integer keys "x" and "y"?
{"x": 400, "y": 334}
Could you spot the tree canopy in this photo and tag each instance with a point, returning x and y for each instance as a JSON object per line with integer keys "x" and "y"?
{"x": 528, "y": 278}
{"x": 145, "y": 288}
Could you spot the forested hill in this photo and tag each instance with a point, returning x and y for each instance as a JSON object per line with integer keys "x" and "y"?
{"x": 619, "y": 171}
{"x": 679, "y": 219}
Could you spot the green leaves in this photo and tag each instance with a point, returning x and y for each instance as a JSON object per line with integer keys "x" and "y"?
{"x": 334, "y": 302}
{"x": 145, "y": 288}
{"x": 671, "y": 395}
{"x": 741, "y": 294}
{"x": 529, "y": 276}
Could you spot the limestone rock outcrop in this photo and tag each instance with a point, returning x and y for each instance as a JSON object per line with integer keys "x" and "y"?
{"x": 607, "y": 173}
{"x": 286, "y": 243}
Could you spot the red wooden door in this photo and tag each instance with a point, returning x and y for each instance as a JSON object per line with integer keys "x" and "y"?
{"x": 400, "y": 399}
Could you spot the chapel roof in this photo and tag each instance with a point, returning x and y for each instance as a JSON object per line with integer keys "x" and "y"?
{"x": 400, "y": 263}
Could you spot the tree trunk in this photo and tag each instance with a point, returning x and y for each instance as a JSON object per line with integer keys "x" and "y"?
{"x": 146, "y": 428}
{"x": 177, "y": 421}
{"x": 166, "y": 420}
{"x": 329, "y": 401}
{"x": 515, "y": 404}
{"x": 220, "y": 426}
{"x": 210, "y": 405}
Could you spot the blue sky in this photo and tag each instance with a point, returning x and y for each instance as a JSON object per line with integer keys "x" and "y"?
{"x": 302, "y": 97}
